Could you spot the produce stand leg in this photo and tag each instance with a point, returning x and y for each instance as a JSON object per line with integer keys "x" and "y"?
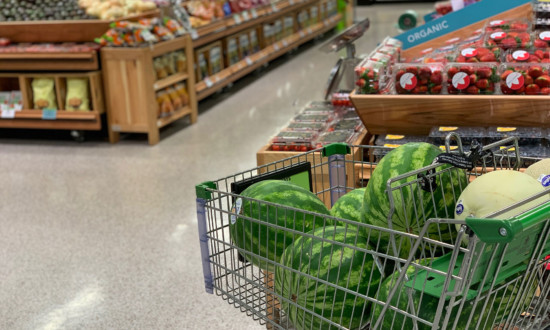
{"x": 153, "y": 136}
{"x": 114, "y": 137}
{"x": 272, "y": 305}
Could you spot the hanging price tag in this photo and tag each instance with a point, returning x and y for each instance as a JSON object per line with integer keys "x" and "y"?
{"x": 49, "y": 114}
{"x": 302, "y": 34}
{"x": 245, "y": 16}
{"x": 254, "y": 13}
{"x": 208, "y": 82}
{"x": 7, "y": 114}
{"x": 237, "y": 19}
{"x": 309, "y": 31}
{"x": 285, "y": 43}
{"x": 325, "y": 23}
{"x": 194, "y": 34}
{"x": 248, "y": 61}
{"x": 276, "y": 47}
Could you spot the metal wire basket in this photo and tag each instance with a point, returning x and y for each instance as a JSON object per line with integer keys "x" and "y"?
{"x": 497, "y": 280}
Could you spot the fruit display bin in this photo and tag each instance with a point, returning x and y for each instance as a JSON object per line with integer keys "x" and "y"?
{"x": 288, "y": 267}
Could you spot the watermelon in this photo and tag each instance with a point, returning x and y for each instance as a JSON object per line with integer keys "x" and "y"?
{"x": 349, "y": 206}
{"x": 499, "y": 305}
{"x": 413, "y": 206}
{"x": 269, "y": 242}
{"x": 340, "y": 265}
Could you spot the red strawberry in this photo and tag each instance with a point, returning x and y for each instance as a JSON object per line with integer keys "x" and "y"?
{"x": 425, "y": 72}
{"x": 524, "y": 36}
{"x": 539, "y": 53}
{"x": 399, "y": 74}
{"x": 488, "y": 58}
{"x": 452, "y": 90}
{"x": 540, "y": 44}
{"x": 506, "y": 90}
{"x": 545, "y": 60}
{"x": 508, "y": 42}
{"x": 473, "y": 79}
{"x": 423, "y": 89}
{"x": 528, "y": 80}
{"x": 545, "y": 91}
{"x": 361, "y": 82}
{"x": 375, "y": 86}
{"x": 460, "y": 59}
{"x": 467, "y": 69}
{"x": 484, "y": 72}
{"x": 436, "y": 78}
{"x": 533, "y": 59}
{"x": 416, "y": 90}
{"x": 472, "y": 90}
{"x": 412, "y": 70}
{"x": 437, "y": 89}
{"x": 452, "y": 71}
{"x": 505, "y": 74}
{"x": 423, "y": 81}
{"x": 472, "y": 60}
{"x": 535, "y": 71}
{"x": 370, "y": 75}
{"x": 543, "y": 81}
{"x": 521, "y": 90}
{"x": 482, "y": 51}
{"x": 532, "y": 89}
{"x": 482, "y": 84}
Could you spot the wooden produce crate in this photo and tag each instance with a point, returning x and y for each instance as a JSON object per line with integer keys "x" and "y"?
{"x": 417, "y": 114}
{"x": 320, "y": 180}
{"x": 63, "y": 119}
{"x": 131, "y": 86}
{"x": 81, "y": 61}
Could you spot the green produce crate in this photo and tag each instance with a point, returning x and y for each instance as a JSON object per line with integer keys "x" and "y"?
{"x": 290, "y": 268}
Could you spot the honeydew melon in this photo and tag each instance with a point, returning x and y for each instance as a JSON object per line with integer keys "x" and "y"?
{"x": 540, "y": 171}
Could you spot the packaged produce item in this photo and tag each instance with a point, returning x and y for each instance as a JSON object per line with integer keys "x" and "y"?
{"x": 509, "y": 39}
{"x": 202, "y": 66}
{"x": 542, "y": 38}
{"x": 350, "y": 113}
{"x": 181, "y": 90}
{"x": 298, "y": 126}
{"x": 173, "y": 26}
{"x": 336, "y": 137}
{"x": 467, "y": 134}
{"x": 43, "y": 90}
{"x": 165, "y": 106}
{"x": 278, "y": 26}
{"x": 390, "y": 51}
{"x": 288, "y": 26}
{"x": 526, "y": 56}
{"x": 254, "y": 43}
{"x": 308, "y": 118}
{"x": 385, "y": 59}
{"x": 232, "y": 51}
{"x": 77, "y": 95}
{"x": 392, "y": 42}
{"x": 16, "y": 101}
{"x": 472, "y": 78}
{"x": 527, "y": 136}
{"x": 473, "y": 54}
{"x": 313, "y": 15}
{"x": 475, "y": 40}
{"x": 181, "y": 61}
{"x": 341, "y": 99}
{"x": 388, "y": 142}
{"x": 524, "y": 79}
{"x": 5, "y": 100}
{"x": 347, "y": 125}
{"x": 244, "y": 45}
{"x": 174, "y": 98}
{"x": 507, "y": 25}
{"x": 215, "y": 59}
{"x": 440, "y": 55}
{"x": 294, "y": 141}
{"x": 443, "y": 7}
{"x": 418, "y": 78}
{"x": 318, "y": 107}
{"x": 371, "y": 77}
{"x": 169, "y": 63}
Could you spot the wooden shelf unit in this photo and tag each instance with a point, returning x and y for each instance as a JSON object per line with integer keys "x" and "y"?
{"x": 208, "y": 86}
{"x": 64, "y": 120}
{"x": 130, "y": 86}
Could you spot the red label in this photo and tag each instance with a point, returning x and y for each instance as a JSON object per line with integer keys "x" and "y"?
{"x": 498, "y": 35}
{"x": 408, "y": 81}
{"x": 452, "y": 41}
{"x": 520, "y": 55}
{"x": 461, "y": 80}
{"x": 469, "y": 52}
{"x": 545, "y": 36}
{"x": 496, "y": 23}
{"x": 515, "y": 80}
{"x": 426, "y": 51}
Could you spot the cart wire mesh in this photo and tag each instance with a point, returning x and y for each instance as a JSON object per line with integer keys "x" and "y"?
{"x": 341, "y": 274}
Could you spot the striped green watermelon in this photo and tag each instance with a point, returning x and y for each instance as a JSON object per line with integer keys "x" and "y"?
{"x": 498, "y": 307}
{"x": 343, "y": 266}
{"x": 266, "y": 241}
{"x": 413, "y": 206}
{"x": 349, "y": 206}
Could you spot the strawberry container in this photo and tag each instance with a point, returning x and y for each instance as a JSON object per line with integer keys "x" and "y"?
{"x": 472, "y": 78}
{"x": 507, "y": 25}
{"x": 475, "y": 40}
{"x": 294, "y": 141}
{"x": 298, "y": 126}
{"x": 527, "y": 136}
{"x": 392, "y": 42}
{"x": 418, "y": 78}
{"x": 441, "y": 55}
{"x": 524, "y": 79}
{"x": 526, "y": 56}
{"x": 390, "y": 51}
{"x": 336, "y": 137}
{"x": 541, "y": 38}
{"x": 509, "y": 39}
{"x": 370, "y": 77}
{"x": 467, "y": 134}
{"x": 347, "y": 125}
{"x": 474, "y": 54}
{"x": 312, "y": 118}
{"x": 319, "y": 108}
{"x": 376, "y": 56}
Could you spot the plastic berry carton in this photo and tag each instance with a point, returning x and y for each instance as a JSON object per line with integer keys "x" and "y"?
{"x": 390, "y": 51}
{"x": 508, "y": 25}
{"x": 418, "y": 78}
{"x": 370, "y": 77}
{"x": 475, "y": 54}
{"x": 336, "y": 137}
{"x": 355, "y": 125}
{"x": 472, "y": 78}
{"x": 467, "y": 134}
{"x": 526, "y": 56}
{"x": 382, "y": 140}
{"x": 541, "y": 38}
{"x": 392, "y": 42}
{"x": 453, "y": 41}
{"x": 527, "y": 136}
{"x": 319, "y": 108}
{"x": 524, "y": 79}
{"x": 441, "y": 55}
{"x": 509, "y": 39}
{"x": 309, "y": 118}
{"x": 350, "y": 113}
{"x": 341, "y": 99}
{"x": 475, "y": 40}
{"x": 297, "y": 126}
{"x": 293, "y": 141}
{"x": 385, "y": 59}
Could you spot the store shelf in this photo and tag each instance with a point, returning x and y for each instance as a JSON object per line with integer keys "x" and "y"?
{"x": 49, "y": 61}
{"x": 161, "y": 122}
{"x": 89, "y": 120}
{"x": 236, "y": 23}
{"x": 212, "y": 84}
{"x": 170, "y": 80}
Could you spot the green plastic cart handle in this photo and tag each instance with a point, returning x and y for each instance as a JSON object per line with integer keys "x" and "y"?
{"x": 504, "y": 231}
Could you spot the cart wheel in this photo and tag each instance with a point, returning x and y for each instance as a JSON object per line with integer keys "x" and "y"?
{"x": 78, "y": 136}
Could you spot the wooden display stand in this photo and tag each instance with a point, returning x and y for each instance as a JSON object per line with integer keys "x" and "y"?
{"x": 417, "y": 114}
{"x": 69, "y": 120}
{"x": 130, "y": 86}
{"x": 321, "y": 180}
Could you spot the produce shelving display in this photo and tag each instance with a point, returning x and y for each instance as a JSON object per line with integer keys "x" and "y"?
{"x": 132, "y": 89}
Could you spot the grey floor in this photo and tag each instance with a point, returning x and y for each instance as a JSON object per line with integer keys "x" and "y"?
{"x": 100, "y": 236}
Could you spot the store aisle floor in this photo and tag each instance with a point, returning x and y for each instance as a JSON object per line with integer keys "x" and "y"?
{"x": 99, "y": 236}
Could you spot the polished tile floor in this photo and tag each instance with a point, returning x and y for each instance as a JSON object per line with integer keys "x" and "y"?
{"x": 100, "y": 236}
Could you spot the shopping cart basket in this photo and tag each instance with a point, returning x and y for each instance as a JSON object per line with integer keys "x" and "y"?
{"x": 495, "y": 281}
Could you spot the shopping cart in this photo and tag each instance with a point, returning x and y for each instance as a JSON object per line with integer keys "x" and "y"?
{"x": 495, "y": 281}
